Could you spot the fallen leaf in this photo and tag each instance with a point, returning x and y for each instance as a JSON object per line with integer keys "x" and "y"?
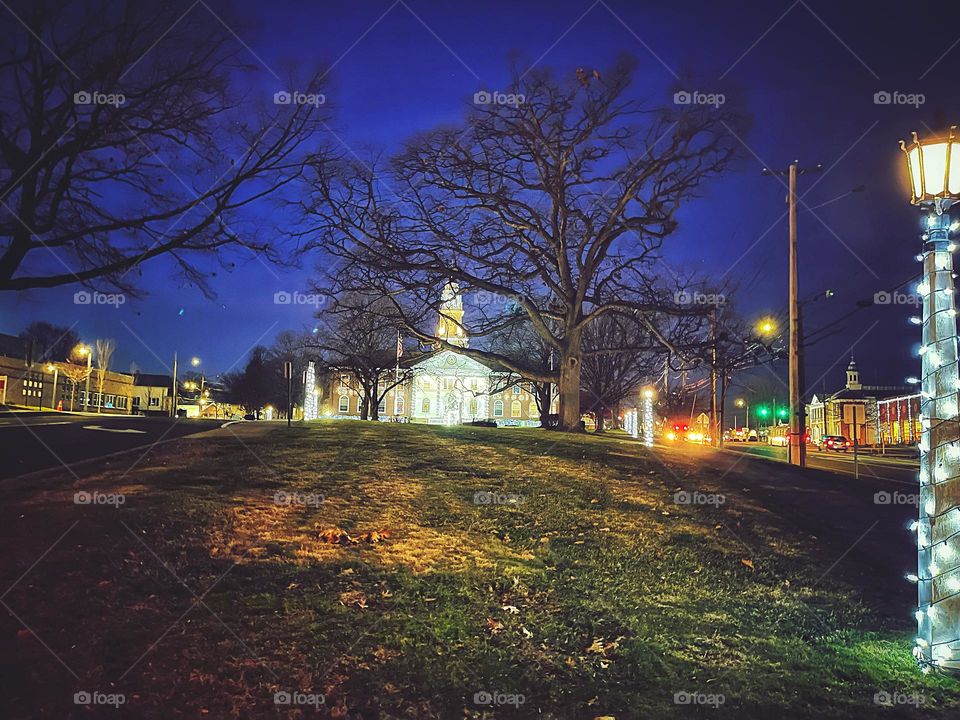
{"x": 748, "y": 562}
{"x": 512, "y": 609}
{"x": 494, "y": 626}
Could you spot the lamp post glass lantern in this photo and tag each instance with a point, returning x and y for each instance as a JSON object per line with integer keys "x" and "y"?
{"x": 934, "y": 170}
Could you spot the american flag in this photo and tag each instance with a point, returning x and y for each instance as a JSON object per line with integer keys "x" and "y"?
{"x": 399, "y": 345}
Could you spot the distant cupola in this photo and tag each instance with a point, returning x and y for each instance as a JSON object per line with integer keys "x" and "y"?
{"x": 853, "y": 376}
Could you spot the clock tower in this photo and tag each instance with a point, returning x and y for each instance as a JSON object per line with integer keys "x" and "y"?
{"x": 450, "y": 327}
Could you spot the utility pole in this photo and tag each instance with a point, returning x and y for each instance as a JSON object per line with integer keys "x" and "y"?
{"x": 173, "y": 404}
{"x": 714, "y": 440}
{"x": 797, "y": 446}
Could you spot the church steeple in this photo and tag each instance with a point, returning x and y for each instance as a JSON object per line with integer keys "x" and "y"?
{"x": 450, "y": 327}
{"x": 853, "y": 376}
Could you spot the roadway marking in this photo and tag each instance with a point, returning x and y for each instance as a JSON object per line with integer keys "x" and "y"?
{"x": 114, "y": 430}
{"x": 23, "y": 424}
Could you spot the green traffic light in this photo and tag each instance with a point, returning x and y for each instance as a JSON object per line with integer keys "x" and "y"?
{"x": 763, "y": 411}
{"x": 782, "y": 412}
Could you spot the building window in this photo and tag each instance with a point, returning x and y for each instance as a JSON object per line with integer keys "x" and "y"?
{"x": 516, "y": 410}
{"x": 382, "y": 407}
{"x": 498, "y": 408}
{"x": 427, "y": 385}
{"x": 136, "y": 401}
{"x": 399, "y": 404}
{"x": 426, "y": 405}
{"x": 121, "y": 402}
{"x": 473, "y": 407}
{"x": 109, "y": 401}
{"x": 516, "y": 389}
{"x": 344, "y": 403}
{"x": 154, "y": 402}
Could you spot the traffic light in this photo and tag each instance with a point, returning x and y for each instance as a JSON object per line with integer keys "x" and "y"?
{"x": 782, "y": 412}
{"x": 763, "y": 411}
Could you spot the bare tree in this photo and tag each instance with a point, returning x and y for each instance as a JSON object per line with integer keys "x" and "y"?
{"x": 610, "y": 374}
{"x": 559, "y": 201}
{"x": 49, "y": 342}
{"x": 105, "y": 349}
{"x": 359, "y": 342}
{"x": 527, "y": 348}
{"x": 121, "y": 141}
{"x": 76, "y": 370}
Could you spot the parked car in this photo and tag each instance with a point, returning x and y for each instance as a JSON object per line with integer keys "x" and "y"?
{"x": 837, "y": 443}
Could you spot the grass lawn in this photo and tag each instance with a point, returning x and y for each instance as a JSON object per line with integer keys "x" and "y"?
{"x": 416, "y": 571}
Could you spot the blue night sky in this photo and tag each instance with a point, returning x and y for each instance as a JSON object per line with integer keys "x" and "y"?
{"x": 805, "y": 72}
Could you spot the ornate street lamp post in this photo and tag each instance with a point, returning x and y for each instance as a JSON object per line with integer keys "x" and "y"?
{"x": 934, "y": 168}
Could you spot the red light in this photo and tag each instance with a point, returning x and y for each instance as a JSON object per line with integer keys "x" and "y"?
{"x": 685, "y": 427}
{"x": 676, "y": 427}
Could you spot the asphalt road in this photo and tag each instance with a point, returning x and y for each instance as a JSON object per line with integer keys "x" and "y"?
{"x": 31, "y": 441}
{"x": 893, "y": 468}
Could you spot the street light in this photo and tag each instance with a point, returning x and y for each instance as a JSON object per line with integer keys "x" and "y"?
{"x": 740, "y": 402}
{"x": 766, "y": 327}
{"x": 933, "y": 166}
{"x": 82, "y": 350}
{"x": 51, "y": 368}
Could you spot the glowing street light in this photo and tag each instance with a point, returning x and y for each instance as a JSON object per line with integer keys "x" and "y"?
{"x": 195, "y": 361}
{"x": 741, "y": 403}
{"x": 84, "y": 351}
{"x": 766, "y": 327}
{"x": 933, "y": 166}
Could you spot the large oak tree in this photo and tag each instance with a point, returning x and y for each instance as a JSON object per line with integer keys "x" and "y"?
{"x": 559, "y": 201}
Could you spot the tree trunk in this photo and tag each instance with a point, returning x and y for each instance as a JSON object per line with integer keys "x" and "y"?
{"x": 570, "y": 384}
{"x": 364, "y": 406}
{"x": 601, "y": 420}
{"x": 375, "y": 408}
{"x": 544, "y": 395}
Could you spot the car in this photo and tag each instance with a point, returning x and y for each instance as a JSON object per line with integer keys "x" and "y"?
{"x": 837, "y": 443}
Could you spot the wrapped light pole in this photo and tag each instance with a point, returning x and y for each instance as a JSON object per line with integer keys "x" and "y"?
{"x": 647, "y": 417}
{"x": 934, "y": 168}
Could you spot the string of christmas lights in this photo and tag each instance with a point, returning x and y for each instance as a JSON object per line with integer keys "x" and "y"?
{"x": 938, "y": 525}
{"x": 310, "y": 399}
